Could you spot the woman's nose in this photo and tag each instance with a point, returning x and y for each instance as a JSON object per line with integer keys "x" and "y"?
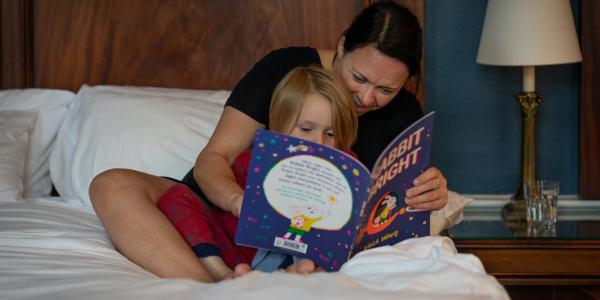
{"x": 366, "y": 97}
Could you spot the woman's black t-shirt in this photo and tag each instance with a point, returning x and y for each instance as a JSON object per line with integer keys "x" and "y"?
{"x": 252, "y": 96}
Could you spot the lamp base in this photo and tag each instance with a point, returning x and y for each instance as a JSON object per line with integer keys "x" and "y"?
{"x": 514, "y": 211}
{"x": 515, "y": 218}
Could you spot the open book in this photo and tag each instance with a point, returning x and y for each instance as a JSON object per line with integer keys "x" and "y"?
{"x": 316, "y": 202}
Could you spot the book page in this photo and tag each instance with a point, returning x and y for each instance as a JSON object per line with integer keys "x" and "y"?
{"x": 310, "y": 185}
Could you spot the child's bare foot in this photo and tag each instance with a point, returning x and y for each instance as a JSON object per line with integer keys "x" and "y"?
{"x": 225, "y": 276}
{"x": 240, "y": 270}
{"x": 304, "y": 266}
{"x": 216, "y": 267}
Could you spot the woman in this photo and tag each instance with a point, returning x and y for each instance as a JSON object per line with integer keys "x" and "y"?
{"x": 375, "y": 57}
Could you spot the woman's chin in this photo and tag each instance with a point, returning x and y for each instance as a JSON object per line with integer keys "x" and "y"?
{"x": 361, "y": 110}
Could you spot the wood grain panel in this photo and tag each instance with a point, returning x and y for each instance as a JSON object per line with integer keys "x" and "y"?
{"x": 553, "y": 292}
{"x": 16, "y": 65}
{"x": 589, "y": 150}
{"x": 538, "y": 262}
{"x": 186, "y": 43}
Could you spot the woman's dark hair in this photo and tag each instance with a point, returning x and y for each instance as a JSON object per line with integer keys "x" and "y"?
{"x": 392, "y": 28}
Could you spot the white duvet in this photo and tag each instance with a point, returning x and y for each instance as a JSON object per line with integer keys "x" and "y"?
{"x": 50, "y": 251}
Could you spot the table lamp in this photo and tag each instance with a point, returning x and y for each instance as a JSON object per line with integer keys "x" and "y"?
{"x": 527, "y": 33}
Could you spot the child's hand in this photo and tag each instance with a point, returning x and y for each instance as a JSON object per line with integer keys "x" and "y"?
{"x": 235, "y": 205}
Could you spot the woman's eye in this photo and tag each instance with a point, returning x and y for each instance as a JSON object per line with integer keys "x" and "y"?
{"x": 305, "y": 129}
{"x": 385, "y": 91}
{"x": 330, "y": 134}
{"x": 358, "y": 78}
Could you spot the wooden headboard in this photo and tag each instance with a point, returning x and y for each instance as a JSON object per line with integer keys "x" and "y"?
{"x": 200, "y": 44}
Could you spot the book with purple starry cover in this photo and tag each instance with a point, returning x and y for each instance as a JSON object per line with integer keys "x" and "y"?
{"x": 316, "y": 202}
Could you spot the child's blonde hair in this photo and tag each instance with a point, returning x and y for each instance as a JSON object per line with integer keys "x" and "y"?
{"x": 290, "y": 93}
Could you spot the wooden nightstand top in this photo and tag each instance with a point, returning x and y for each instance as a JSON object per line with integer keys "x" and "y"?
{"x": 568, "y": 254}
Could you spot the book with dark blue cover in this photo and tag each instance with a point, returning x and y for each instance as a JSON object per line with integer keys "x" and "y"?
{"x": 316, "y": 202}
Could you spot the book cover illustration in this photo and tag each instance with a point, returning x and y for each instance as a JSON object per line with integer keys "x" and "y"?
{"x": 387, "y": 219}
{"x": 316, "y": 202}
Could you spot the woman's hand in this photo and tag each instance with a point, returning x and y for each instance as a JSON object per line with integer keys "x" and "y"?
{"x": 430, "y": 191}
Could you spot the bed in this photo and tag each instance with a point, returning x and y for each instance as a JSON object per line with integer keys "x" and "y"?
{"x": 108, "y": 82}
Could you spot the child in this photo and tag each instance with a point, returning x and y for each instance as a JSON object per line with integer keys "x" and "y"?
{"x": 309, "y": 103}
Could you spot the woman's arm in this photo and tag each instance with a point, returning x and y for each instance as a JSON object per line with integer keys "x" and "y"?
{"x": 234, "y": 134}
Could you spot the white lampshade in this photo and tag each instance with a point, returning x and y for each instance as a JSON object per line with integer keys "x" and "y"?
{"x": 528, "y": 33}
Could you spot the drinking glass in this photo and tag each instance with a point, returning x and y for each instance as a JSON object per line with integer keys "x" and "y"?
{"x": 541, "y": 200}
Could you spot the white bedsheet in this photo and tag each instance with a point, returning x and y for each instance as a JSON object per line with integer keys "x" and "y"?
{"x": 49, "y": 251}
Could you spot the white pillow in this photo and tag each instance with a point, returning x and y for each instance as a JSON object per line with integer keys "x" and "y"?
{"x": 153, "y": 130}
{"x": 449, "y": 215}
{"x": 15, "y": 128}
{"x": 51, "y": 106}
